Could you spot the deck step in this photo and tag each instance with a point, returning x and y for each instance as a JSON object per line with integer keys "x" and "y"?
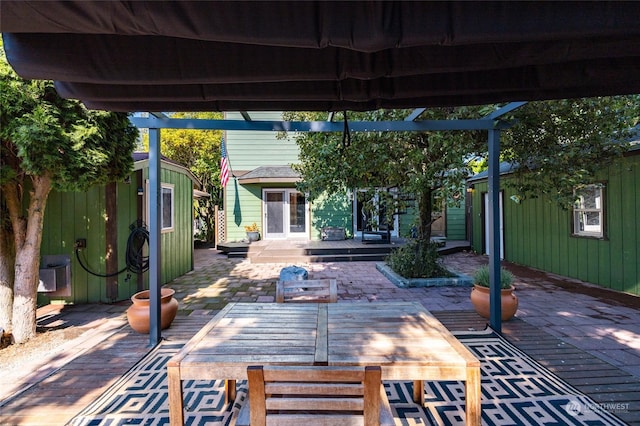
{"x": 346, "y": 257}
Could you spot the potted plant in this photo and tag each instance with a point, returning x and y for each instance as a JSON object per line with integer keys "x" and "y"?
{"x": 480, "y": 293}
{"x": 253, "y": 233}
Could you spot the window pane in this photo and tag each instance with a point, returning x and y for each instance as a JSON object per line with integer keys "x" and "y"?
{"x": 590, "y": 198}
{"x": 296, "y": 212}
{"x": 588, "y": 213}
{"x": 167, "y": 208}
{"x": 275, "y": 212}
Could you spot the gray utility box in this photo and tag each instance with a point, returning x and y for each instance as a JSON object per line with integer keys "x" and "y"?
{"x": 55, "y": 275}
{"x": 332, "y": 233}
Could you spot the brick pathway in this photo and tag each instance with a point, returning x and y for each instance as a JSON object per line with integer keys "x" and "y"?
{"x": 600, "y": 322}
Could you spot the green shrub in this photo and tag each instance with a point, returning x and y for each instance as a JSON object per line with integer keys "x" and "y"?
{"x": 417, "y": 260}
{"x": 481, "y": 277}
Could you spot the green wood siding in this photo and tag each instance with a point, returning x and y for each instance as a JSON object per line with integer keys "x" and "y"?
{"x": 248, "y": 150}
{"x": 177, "y": 245}
{"x": 244, "y": 207}
{"x": 538, "y": 232}
{"x": 455, "y": 227}
{"x": 331, "y": 210}
{"x": 73, "y": 215}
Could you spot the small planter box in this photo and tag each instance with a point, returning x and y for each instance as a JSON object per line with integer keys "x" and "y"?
{"x": 332, "y": 233}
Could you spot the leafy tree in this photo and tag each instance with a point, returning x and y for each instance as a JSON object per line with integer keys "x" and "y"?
{"x": 425, "y": 166}
{"x": 199, "y": 151}
{"x": 46, "y": 143}
{"x": 558, "y": 144}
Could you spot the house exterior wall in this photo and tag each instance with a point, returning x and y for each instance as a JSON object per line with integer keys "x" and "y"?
{"x": 331, "y": 210}
{"x": 177, "y": 245}
{"x": 537, "y": 232}
{"x": 73, "y": 215}
{"x": 248, "y": 150}
{"x": 455, "y": 224}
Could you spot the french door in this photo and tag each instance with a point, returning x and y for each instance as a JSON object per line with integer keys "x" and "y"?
{"x": 286, "y": 214}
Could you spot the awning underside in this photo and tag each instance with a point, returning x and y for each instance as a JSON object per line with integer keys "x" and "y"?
{"x": 330, "y": 56}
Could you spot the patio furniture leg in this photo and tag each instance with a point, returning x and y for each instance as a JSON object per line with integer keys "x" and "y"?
{"x": 229, "y": 391}
{"x": 176, "y": 412}
{"x": 418, "y": 392}
{"x": 473, "y": 397}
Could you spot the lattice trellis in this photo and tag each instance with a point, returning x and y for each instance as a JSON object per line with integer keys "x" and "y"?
{"x": 221, "y": 236}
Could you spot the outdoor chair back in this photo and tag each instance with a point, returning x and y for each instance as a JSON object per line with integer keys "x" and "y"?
{"x": 313, "y": 396}
{"x": 317, "y": 291}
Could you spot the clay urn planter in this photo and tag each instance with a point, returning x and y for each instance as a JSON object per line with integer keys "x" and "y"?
{"x": 480, "y": 295}
{"x": 138, "y": 313}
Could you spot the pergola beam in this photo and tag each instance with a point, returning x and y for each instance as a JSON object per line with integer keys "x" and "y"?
{"x": 313, "y": 126}
{"x": 415, "y": 114}
{"x": 157, "y": 121}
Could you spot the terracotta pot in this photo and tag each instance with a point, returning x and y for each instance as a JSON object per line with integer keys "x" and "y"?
{"x": 480, "y": 299}
{"x": 138, "y": 314}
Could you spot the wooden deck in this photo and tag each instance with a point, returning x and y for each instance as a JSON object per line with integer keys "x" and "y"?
{"x": 350, "y": 250}
{"x": 603, "y": 382}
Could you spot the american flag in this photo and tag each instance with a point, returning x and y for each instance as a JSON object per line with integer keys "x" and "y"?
{"x": 224, "y": 165}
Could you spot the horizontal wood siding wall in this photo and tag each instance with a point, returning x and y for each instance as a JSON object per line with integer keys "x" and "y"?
{"x": 248, "y": 150}
{"x": 331, "y": 210}
{"x": 243, "y": 208}
{"x": 538, "y": 233}
{"x": 456, "y": 229}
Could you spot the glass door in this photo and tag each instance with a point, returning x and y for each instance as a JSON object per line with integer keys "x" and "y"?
{"x": 286, "y": 214}
{"x": 274, "y": 214}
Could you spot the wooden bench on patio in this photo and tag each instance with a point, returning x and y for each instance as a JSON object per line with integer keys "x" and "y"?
{"x": 316, "y": 291}
{"x": 289, "y": 395}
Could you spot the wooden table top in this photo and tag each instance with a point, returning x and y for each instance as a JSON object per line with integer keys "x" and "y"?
{"x": 402, "y": 337}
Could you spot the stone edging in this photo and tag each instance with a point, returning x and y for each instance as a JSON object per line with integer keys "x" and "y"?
{"x": 460, "y": 280}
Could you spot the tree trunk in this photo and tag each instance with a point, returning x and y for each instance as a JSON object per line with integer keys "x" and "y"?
{"x": 28, "y": 261}
{"x": 424, "y": 228}
{"x": 425, "y": 208}
{"x": 7, "y": 270}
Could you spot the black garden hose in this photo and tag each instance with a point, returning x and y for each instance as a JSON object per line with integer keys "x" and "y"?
{"x": 136, "y": 262}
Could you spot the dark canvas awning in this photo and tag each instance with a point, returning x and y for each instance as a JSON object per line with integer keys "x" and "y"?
{"x": 283, "y": 55}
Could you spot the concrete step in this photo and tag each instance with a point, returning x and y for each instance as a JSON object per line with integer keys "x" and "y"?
{"x": 346, "y": 257}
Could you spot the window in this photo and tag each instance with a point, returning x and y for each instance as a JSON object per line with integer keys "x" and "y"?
{"x": 588, "y": 212}
{"x": 166, "y": 208}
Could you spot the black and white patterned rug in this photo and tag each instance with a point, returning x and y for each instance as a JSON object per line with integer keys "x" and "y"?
{"x": 516, "y": 390}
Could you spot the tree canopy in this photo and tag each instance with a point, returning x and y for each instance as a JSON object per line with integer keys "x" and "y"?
{"x": 46, "y": 143}
{"x": 559, "y": 145}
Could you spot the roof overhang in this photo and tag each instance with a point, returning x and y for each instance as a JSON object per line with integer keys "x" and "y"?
{"x": 315, "y": 55}
{"x": 270, "y": 175}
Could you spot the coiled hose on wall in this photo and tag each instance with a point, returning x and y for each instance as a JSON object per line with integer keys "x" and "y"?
{"x": 136, "y": 262}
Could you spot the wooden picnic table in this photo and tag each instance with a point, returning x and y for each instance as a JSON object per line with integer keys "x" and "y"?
{"x": 403, "y": 338}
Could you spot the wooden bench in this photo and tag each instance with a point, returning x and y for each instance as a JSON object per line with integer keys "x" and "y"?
{"x": 316, "y": 291}
{"x": 314, "y": 396}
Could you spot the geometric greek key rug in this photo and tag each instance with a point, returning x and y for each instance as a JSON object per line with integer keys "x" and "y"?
{"x": 516, "y": 390}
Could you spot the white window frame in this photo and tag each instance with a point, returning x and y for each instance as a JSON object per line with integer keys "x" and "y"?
{"x": 171, "y": 188}
{"x": 579, "y": 219}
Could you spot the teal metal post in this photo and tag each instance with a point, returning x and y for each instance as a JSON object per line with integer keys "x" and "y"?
{"x": 154, "y": 237}
{"x": 495, "y": 309}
